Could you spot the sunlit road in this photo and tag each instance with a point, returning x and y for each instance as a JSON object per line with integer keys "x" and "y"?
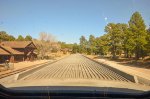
{"x": 76, "y": 66}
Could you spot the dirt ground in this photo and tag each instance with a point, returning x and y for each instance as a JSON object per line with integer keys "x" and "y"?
{"x": 20, "y": 65}
{"x": 128, "y": 68}
{"x": 25, "y": 64}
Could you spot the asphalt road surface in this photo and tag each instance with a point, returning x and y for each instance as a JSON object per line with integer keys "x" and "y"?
{"x": 76, "y": 66}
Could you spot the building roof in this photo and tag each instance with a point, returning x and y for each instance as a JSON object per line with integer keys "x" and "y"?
{"x": 16, "y": 44}
{"x": 10, "y": 50}
{"x": 3, "y": 52}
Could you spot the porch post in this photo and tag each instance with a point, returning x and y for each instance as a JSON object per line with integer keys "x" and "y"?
{"x": 12, "y": 58}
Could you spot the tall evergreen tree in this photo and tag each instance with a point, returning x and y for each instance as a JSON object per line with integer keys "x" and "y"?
{"x": 115, "y": 32}
{"x": 138, "y": 30}
{"x": 83, "y": 44}
{"x": 20, "y": 38}
{"x": 128, "y": 43}
{"x": 148, "y": 42}
{"x": 92, "y": 44}
{"x": 75, "y": 48}
{"x": 28, "y": 38}
{"x": 103, "y": 44}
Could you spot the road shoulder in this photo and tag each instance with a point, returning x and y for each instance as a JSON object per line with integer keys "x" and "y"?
{"x": 141, "y": 72}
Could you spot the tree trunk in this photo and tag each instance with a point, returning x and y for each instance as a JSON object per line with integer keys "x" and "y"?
{"x": 137, "y": 55}
{"x": 114, "y": 52}
{"x": 126, "y": 53}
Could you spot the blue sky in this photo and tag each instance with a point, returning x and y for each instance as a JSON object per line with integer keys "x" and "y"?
{"x": 67, "y": 19}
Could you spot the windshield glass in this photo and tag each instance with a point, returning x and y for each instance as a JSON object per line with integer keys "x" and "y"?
{"x": 88, "y": 43}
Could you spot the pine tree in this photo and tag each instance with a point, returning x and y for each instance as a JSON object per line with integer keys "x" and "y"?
{"x": 20, "y": 38}
{"x": 137, "y": 28}
{"x": 92, "y": 44}
{"x": 116, "y": 34}
{"x": 28, "y": 38}
{"x": 83, "y": 44}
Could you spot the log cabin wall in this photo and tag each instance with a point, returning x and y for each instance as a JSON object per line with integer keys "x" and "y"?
{"x": 17, "y": 51}
{"x": 28, "y": 51}
{"x": 3, "y": 58}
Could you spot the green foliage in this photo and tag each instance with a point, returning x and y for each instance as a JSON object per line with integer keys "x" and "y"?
{"x": 116, "y": 36}
{"x": 11, "y": 38}
{"x": 28, "y": 38}
{"x": 6, "y": 37}
{"x": 92, "y": 45}
{"x": 130, "y": 39}
{"x": 148, "y": 42}
{"x": 137, "y": 28}
{"x": 75, "y": 48}
{"x": 83, "y": 44}
{"x": 64, "y": 45}
{"x": 103, "y": 44}
{"x": 20, "y": 38}
{"x": 121, "y": 38}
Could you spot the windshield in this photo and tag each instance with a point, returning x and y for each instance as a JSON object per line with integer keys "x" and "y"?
{"x": 88, "y": 43}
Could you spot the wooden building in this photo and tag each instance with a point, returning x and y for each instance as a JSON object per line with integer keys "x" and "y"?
{"x": 15, "y": 51}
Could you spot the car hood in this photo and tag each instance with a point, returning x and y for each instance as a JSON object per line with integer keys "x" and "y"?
{"x": 78, "y": 82}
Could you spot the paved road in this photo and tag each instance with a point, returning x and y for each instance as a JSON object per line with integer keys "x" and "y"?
{"x": 76, "y": 66}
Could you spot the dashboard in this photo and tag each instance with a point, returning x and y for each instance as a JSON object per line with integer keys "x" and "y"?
{"x": 70, "y": 92}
